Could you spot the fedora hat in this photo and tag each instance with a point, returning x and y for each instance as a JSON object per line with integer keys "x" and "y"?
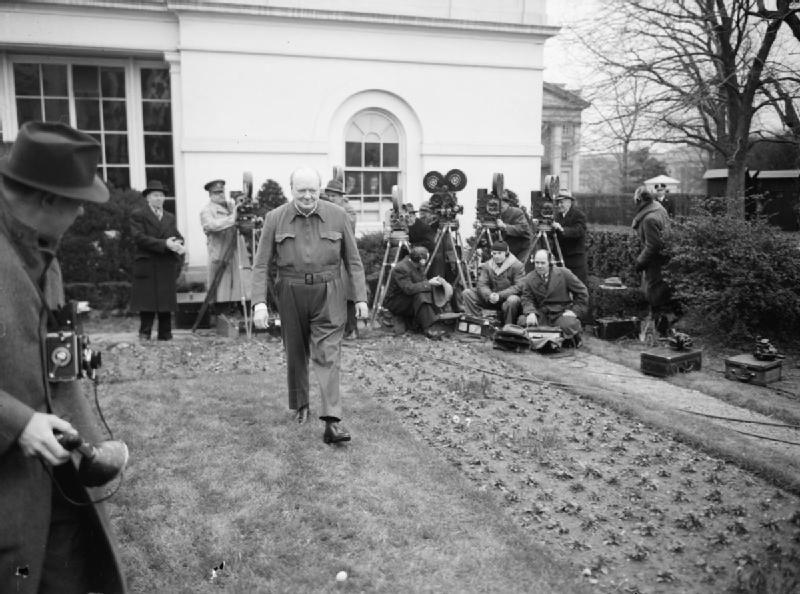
{"x": 154, "y": 185}
{"x": 56, "y": 158}
{"x": 441, "y": 293}
{"x": 335, "y": 186}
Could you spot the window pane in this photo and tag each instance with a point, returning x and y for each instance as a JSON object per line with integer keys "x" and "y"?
{"x": 352, "y": 152}
{"x": 353, "y": 185}
{"x": 54, "y": 77}
{"x": 158, "y": 149}
{"x": 157, "y": 116}
{"x": 391, "y": 152}
{"x": 371, "y": 203}
{"x": 112, "y": 82}
{"x": 84, "y": 81}
{"x": 28, "y": 110}
{"x": 114, "y": 117}
{"x": 118, "y": 177}
{"x": 26, "y": 79}
{"x": 162, "y": 174}
{"x": 116, "y": 148}
{"x": 56, "y": 110}
{"x": 155, "y": 84}
{"x": 372, "y": 154}
{"x": 87, "y": 114}
{"x": 388, "y": 179}
{"x": 371, "y": 183}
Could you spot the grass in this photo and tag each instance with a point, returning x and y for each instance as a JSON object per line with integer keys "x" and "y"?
{"x": 219, "y": 473}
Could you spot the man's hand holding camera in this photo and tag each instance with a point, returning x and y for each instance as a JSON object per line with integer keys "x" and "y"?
{"x": 37, "y": 439}
{"x": 557, "y": 226}
{"x": 501, "y": 224}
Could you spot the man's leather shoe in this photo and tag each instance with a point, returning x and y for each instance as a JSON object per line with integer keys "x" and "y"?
{"x": 434, "y": 334}
{"x": 334, "y": 433}
{"x": 301, "y": 414}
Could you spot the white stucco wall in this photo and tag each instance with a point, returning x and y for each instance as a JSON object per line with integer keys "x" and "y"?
{"x": 265, "y": 92}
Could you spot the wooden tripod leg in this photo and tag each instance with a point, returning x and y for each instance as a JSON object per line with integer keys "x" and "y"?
{"x": 241, "y": 254}
{"x": 439, "y": 235}
{"x": 212, "y": 289}
{"x": 466, "y": 281}
{"x": 380, "y": 288}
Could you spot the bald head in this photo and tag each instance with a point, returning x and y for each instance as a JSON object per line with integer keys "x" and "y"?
{"x": 541, "y": 261}
{"x": 305, "y": 183}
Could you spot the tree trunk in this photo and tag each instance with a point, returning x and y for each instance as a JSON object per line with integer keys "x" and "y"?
{"x": 736, "y": 187}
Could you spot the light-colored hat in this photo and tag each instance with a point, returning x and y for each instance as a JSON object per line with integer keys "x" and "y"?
{"x": 441, "y": 293}
{"x": 564, "y": 193}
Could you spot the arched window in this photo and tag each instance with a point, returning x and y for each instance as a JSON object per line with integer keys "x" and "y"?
{"x": 372, "y": 163}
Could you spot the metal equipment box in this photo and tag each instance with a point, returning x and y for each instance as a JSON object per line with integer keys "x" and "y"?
{"x": 746, "y": 368}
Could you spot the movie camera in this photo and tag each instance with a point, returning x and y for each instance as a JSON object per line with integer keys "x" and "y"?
{"x": 249, "y": 215}
{"x": 547, "y": 209}
{"x": 444, "y": 203}
{"x": 399, "y": 217}
{"x": 69, "y": 356}
{"x": 488, "y": 203}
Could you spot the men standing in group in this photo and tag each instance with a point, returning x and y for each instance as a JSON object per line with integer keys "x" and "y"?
{"x": 569, "y": 223}
{"x": 651, "y": 222}
{"x": 514, "y": 227}
{"x": 307, "y": 240}
{"x": 334, "y": 192}
{"x": 553, "y": 296}
{"x": 48, "y": 544}
{"x": 499, "y": 285}
{"x": 410, "y": 296}
{"x": 156, "y": 263}
{"x": 218, "y": 219}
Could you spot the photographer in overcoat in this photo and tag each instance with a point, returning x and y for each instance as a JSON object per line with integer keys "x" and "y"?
{"x": 53, "y": 540}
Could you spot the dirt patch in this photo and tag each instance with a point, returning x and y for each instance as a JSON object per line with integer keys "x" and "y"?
{"x": 632, "y": 505}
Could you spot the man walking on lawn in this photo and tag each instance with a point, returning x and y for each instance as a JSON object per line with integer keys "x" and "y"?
{"x": 308, "y": 240}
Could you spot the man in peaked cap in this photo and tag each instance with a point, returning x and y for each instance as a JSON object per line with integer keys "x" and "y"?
{"x": 218, "y": 219}
{"x": 52, "y": 539}
{"x": 569, "y": 223}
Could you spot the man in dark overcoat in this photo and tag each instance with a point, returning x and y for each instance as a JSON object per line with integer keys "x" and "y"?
{"x": 514, "y": 227}
{"x": 307, "y": 240}
{"x": 553, "y": 296}
{"x": 48, "y": 544}
{"x": 569, "y": 223}
{"x": 156, "y": 264}
{"x": 409, "y": 294}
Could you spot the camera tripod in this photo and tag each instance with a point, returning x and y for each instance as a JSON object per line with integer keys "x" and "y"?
{"x": 448, "y": 235}
{"x": 542, "y": 241}
{"x": 398, "y": 241}
{"x": 236, "y": 253}
{"x": 492, "y": 235}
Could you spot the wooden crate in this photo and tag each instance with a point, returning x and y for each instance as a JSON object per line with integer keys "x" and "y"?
{"x": 664, "y": 361}
{"x": 746, "y": 368}
{"x": 189, "y": 305}
{"x": 613, "y": 328}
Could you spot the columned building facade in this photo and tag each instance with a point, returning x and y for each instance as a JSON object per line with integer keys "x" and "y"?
{"x": 561, "y": 134}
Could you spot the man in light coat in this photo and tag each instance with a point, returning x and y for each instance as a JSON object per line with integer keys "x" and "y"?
{"x": 52, "y": 538}
{"x": 499, "y": 285}
{"x": 218, "y": 219}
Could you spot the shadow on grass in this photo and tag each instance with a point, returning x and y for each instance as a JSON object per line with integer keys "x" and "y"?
{"x": 219, "y": 473}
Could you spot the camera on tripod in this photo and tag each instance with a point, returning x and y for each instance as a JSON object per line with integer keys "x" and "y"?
{"x": 249, "y": 215}
{"x": 547, "y": 209}
{"x": 444, "y": 203}
{"x": 399, "y": 217}
{"x": 488, "y": 203}
{"x": 69, "y": 356}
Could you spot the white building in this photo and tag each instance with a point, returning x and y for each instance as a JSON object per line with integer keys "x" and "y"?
{"x": 190, "y": 90}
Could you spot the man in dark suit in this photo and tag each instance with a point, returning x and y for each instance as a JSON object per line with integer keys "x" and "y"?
{"x": 514, "y": 227}
{"x": 569, "y": 224}
{"x": 156, "y": 264}
{"x": 53, "y": 539}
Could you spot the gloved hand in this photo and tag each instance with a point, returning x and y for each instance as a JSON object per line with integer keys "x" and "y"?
{"x": 261, "y": 317}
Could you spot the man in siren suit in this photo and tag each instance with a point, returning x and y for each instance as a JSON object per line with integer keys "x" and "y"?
{"x": 309, "y": 239}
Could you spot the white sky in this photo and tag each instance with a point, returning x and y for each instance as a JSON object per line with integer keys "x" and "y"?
{"x": 561, "y": 65}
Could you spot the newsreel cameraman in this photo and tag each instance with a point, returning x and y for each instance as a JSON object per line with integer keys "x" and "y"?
{"x": 513, "y": 225}
{"x": 218, "y": 219}
{"x": 499, "y": 285}
{"x": 53, "y": 540}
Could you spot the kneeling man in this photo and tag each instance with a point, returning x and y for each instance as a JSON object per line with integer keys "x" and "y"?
{"x": 553, "y": 296}
{"x": 499, "y": 285}
{"x": 410, "y": 294}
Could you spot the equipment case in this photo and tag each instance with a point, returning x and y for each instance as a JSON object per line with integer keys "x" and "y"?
{"x": 663, "y": 361}
{"x": 746, "y": 368}
{"x": 475, "y": 326}
{"x": 614, "y": 328}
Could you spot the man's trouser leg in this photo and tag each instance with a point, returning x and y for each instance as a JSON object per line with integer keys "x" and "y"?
{"x": 472, "y": 302}
{"x": 328, "y": 318}
{"x": 295, "y": 329}
{"x": 512, "y": 308}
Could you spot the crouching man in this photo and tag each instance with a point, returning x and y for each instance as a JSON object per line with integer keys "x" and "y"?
{"x": 410, "y": 295}
{"x": 499, "y": 285}
{"x": 553, "y": 296}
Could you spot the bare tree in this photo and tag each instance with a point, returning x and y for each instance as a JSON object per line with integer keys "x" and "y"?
{"x": 708, "y": 67}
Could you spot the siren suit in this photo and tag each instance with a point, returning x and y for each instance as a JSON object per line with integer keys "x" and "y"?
{"x": 308, "y": 251}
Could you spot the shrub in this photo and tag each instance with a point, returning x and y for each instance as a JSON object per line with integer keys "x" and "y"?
{"x": 738, "y": 276}
{"x": 612, "y": 253}
{"x": 371, "y": 247}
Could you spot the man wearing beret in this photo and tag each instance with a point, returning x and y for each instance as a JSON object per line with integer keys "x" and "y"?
{"x": 53, "y": 539}
{"x": 499, "y": 285}
{"x": 218, "y": 219}
{"x": 307, "y": 240}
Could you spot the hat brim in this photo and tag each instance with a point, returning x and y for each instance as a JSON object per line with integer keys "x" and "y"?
{"x": 441, "y": 294}
{"x": 97, "y": 192}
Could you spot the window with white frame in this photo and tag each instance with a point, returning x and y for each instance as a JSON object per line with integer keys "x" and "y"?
{"x": 372, "y": 163}
{"x": 98, "y": 99}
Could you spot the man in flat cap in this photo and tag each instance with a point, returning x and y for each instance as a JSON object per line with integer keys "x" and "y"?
{"x": 52, "y": 538}
{"x": 499, "y": 285}
{"x": 218, "y": 219}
